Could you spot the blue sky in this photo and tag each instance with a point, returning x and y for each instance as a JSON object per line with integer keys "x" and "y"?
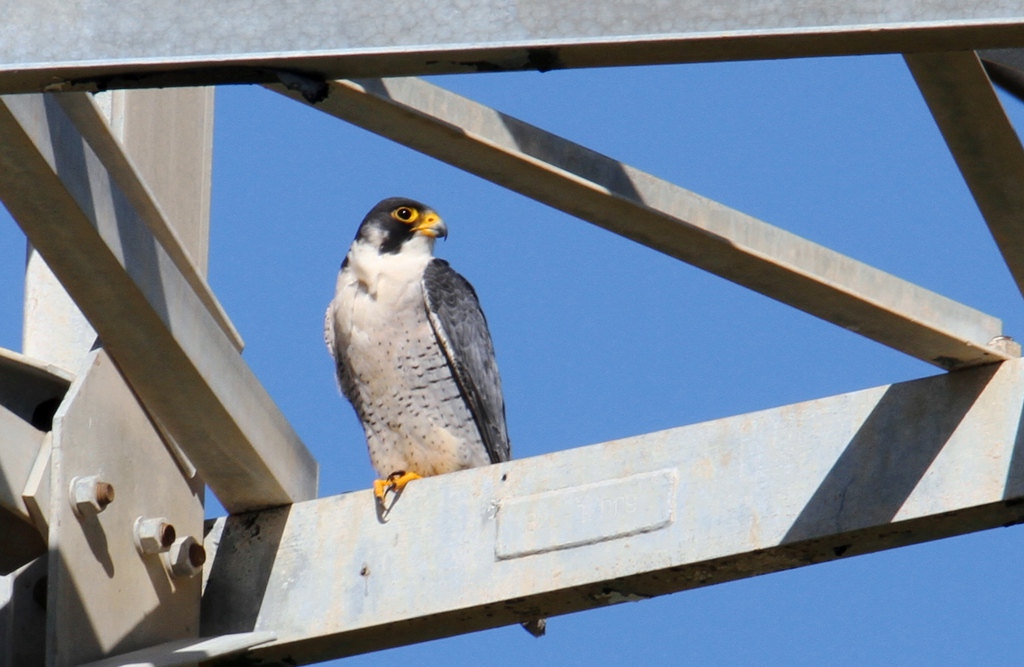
{"x": 600, "y": 338}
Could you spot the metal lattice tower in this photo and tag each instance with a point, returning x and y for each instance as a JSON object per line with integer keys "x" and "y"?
{"x": 109, "y": 178}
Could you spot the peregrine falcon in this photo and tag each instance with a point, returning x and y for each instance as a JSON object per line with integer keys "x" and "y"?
{"x": 413, "y": 352}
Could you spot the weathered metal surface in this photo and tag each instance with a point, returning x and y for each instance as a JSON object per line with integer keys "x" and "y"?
{"x": 187, "y": 651}
{"x": 168, "y": 135}
{"x": 667, "y": 218}
{"x": 29, "y": 395}
{"x": 103, "y": 596}
{"x": 585, "y": 514}
{"x": 751, "y": 494}
{"x": 170, "y": 187}
{"x": 165, "y": 340}
{"x": 136, "y": 43}
{"x": 54, "y": 330}
{"x": 36, "y": 494}
{"x": 23, "y": 616}
{"x": 983, "y": 142}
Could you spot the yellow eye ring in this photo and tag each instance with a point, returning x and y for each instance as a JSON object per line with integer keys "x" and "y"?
{"x": 405, "y": 214}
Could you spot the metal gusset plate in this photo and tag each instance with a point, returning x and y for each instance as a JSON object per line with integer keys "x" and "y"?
{"x": 109, "y": 468}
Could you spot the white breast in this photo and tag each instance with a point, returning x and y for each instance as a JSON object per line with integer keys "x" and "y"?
{"x": 397, "y": 375}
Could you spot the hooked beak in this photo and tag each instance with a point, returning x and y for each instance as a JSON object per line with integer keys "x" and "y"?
{"x": 431, "y": 225}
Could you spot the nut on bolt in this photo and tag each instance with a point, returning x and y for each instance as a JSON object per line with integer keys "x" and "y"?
{"x": 186, "y": 557}
{"x": 89, "y": 495}
{"x": 153, "y": 535}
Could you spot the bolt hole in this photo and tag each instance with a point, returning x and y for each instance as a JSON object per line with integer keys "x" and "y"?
{"x": 504, "y": 477}
{"x": 167, "y": 535}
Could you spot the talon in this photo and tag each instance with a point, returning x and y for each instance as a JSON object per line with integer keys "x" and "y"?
{"x": 398, "y": 480}
{"x": 395, "y": 482}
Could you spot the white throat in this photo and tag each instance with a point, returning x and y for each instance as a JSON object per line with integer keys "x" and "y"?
{"x": 376, "y": 271}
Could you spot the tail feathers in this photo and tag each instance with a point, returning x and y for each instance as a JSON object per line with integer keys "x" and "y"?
{"x": 537, "y": 627}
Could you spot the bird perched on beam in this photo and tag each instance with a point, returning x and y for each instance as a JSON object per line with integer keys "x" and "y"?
{"x": 413, "y": 353}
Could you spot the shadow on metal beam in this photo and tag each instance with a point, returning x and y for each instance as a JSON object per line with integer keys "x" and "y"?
{"x": 137, "y": 247}
{"x": 1014, "y": 489}
{"x": 888, "y": 456}
{"x": 239, "y": 576}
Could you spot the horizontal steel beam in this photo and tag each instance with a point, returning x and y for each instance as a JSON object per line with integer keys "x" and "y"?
{"x": 130, "y": 44}
{"x": 983, "y": 142}
{"x": 665, "y": 217}
{"x": 78, "y": 207}
{"x": 625, "y": 520}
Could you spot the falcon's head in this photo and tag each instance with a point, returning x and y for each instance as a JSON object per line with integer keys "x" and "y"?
{"x": 398, "y": 223}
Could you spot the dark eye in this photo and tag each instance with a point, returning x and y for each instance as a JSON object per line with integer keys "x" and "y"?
{"x": 405, "y": 214}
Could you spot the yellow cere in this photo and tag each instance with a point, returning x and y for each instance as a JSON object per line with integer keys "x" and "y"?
{"x": 427, "y": 226}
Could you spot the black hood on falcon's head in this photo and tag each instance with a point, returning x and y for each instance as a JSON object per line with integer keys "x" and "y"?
{"x": 397, "y": 220}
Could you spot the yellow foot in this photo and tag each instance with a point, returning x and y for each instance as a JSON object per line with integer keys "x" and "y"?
{"x": 395, "y": 482}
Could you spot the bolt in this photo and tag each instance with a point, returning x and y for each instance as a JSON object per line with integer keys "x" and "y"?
{"x": 153, "y": 535}
{"x": 186, "y": 557}
{"x": 1006, "y": 345}
{"x": 88, "y": 495}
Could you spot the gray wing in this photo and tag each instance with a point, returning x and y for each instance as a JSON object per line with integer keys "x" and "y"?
{"x": 461, "y": 329}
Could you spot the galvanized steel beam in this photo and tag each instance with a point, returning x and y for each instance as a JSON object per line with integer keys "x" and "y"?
{"x": 167, "y": 135}
{"x": 665, "y": 217}
{"x": 96, "y": 132}
{"x": 143, "y": 44}
{"x": 984, "y": 144}
{"x": 54, "y": 330}
{"x": 81, "y": 207}
{"x": 1006, "y": 69}
{"x": 625, "y": 520}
